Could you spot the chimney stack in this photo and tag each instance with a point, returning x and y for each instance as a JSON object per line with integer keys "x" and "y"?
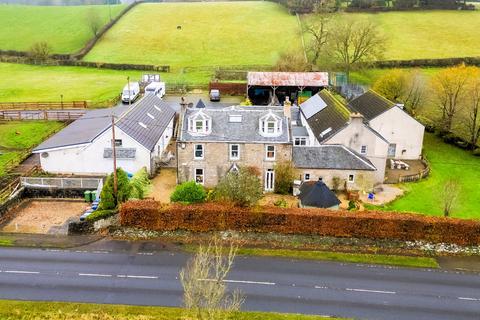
{"x": 356, "y": 118}
{"x": 287, "y": 108}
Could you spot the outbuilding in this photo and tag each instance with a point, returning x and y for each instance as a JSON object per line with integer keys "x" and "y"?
{"x": 317, "y": 195}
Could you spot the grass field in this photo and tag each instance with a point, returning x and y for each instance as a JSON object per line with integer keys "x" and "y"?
{"x": 446, "y": 162}
{"x": 25, "y": 310}
{"x": 17, "y": 137}
{"x": 65, "y": 28}
{"x": 212, "y": 33}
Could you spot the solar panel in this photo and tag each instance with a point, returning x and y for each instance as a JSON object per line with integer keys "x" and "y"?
{"x": 312, "y": 106}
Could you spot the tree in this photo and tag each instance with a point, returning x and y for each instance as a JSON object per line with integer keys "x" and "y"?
{"x": 243, "y": 188}
{"x": 110, "y": 200}
{"x": 473, "y": 108}
{"x": 451, "y": 191}
{"x": 318, "y": 30}
{"x": 407, "y": 87}
{"x": 355, "y": 42}
{"x": 40, "y": 51}
{"x": 203, "y": 279}
{"x": 292, "y": 61}
{"x": 449, "y": 86}
{"x": 189, "y": 192}
{"x": 94, "y": 21}
{"x": 140, "y": 184}
{"x": 284, "y": 176}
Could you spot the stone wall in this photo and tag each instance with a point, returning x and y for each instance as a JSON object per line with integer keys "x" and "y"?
{"x": 363, "y": 180}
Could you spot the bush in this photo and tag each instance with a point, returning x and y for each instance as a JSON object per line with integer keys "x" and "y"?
{"x": 189, "y": 192}
{"x": 284, "y": 176}
{"x": 140, "y": 184}
{"x": 108, "y": 200}
{"x": 40, "y": 51}
{"x": 100, "y": 214}
{"x": 476, "y": 152}
{"x": 281, "y": 203}
{"x": 242, "y": 188}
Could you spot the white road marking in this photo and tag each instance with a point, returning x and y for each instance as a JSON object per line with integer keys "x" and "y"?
{"x": 320, "y": 287}
{"x": 136, "y": 277}
{"x": 371, "y": 291}
{"x": 94, "y": 275}
{"x": 21, "y": 272}
{"x": 243, "y": 281}
{"x": 468, "y": 299}
{"x": 145, "y": 253}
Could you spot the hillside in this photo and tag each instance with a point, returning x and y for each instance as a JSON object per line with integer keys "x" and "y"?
{"x": 212, "y": 33}
{"x": 65, "y": 28}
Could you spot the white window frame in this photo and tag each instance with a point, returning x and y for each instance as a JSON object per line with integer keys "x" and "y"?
{"x": 352, "y": 180}
{"x": 195, "y": 151}
{"x": 199, "y": 175}
{"x": 118, "y": 142}
{"x": 363, "y": 147}
{"x": 300, "y": 140}
{"x": 274, "y": 152}
{"x": 305, "y": 177}
{"x": 230, "y": 152}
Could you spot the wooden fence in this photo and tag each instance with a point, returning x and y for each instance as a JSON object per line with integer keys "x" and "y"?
{"x": 417, "y": 176}
{"x": 43, "y": 105}
{"x": 12, "y": 186}
{"x": 54, "y": 115}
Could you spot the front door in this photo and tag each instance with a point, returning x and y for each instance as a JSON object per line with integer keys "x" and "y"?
{"x": 269, "y": 180}
{"x": 392, "y": 149}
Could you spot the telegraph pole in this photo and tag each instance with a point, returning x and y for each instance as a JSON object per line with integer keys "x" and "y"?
{"x": 115, "y": 180}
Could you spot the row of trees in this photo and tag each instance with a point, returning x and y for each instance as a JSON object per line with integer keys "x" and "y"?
{"x": 455, "y": 92}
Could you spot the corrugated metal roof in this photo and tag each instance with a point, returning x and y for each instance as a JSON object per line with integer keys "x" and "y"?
{"x": 288, "y": 79}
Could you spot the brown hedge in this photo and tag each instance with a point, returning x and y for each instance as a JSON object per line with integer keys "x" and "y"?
{"x": 149, "y": 214}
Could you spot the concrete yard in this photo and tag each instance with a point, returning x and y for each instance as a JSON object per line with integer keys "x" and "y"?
{"x": 163, "y": 185}
{"x": 44, "y": 216}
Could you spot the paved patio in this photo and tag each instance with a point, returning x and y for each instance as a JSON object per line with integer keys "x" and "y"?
{"x": 392, "y": 175}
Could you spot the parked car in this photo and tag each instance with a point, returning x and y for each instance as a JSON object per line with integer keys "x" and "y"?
{"x": 132, "y": 95}
{"x": 156, "y": 88}
{"x": 214, "y": 95}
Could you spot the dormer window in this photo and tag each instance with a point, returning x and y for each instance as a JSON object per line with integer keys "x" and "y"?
{"x": 270, "y": 125}
{"x": 199, "y": 123}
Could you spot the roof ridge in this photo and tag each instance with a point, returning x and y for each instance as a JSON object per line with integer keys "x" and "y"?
{"x": 359, "y": 156}
{"x": 338, "y": 104}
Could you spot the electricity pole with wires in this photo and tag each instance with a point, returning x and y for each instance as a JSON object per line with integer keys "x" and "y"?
{"x": 114, "y": 154}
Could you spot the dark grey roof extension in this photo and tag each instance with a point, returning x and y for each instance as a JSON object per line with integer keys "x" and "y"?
{"x": 330, "y": 119}
{"x": 330, "y": 156}
{"x": 245, "y": 131}
{"x": 370, "y": 104}
{"x": 83, "y": 130}
{"x": 146, "y": 121}
{"x": 316, "y": 194}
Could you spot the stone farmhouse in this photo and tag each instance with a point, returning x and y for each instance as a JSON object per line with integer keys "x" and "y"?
{"x": 142, "y": 132}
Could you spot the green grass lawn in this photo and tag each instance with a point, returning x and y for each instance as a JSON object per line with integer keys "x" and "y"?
{"x": 65, "y": 28}
{"x": 18, "y": 136}
{"x": 212, "y": 33}
{"x": 446, "y": 162}
{"x": 25, "y": 310}
{"x": 428, "y": 34}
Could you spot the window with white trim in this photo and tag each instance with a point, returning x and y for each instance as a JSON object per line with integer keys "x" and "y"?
{"x": 118, "y": 142}
{"x": 351, "y": 178}
{"x": 306, "y": 177}
{"x": 199, "y": 152}
{"x": 270, "y": 152}
{"x": 199, "y": 123}
{"x": 300, "y": 141}
{"x": 199, "y": 176}
{"x": 234, "y": 152}
{"x": 270, "y": 125}
{"x": 363, "y": 149}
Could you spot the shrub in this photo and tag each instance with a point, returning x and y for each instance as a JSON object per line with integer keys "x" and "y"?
{"x": 101, "y": 214}
{"x": 140, "y": 184}
{"x": 284, "y": 176}
{"x": 476, "y": 152}
{"x": 242, "y": 188}
{"x": 336, "y": 184}
{"x": 189, "y": 192}
{"x": 40, "y": 51}
{"x": 108, "y": 200}
{"x": 281, "y": 203}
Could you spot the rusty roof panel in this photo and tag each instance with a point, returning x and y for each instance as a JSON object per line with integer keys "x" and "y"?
{"x": 288, "y": 79}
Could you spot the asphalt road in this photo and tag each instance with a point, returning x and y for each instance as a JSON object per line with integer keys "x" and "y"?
{"x": 151, "y": 278}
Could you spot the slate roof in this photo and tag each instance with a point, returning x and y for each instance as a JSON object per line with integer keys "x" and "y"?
{"x": 330, "y": 156}
{"x": 298, "y": 131}
{"x": 333, "y": 117}
{"x": 200, "y": 104}
{"x": 88, "y": 127}
{"x": 142, "y": 112}
{"x": 84, "y": 130}
{"x": 370, "y": 104}
{"x": 317, "y": 194}
{"x": 245, "y": 131}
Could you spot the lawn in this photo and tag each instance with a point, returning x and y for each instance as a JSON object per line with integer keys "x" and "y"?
{"x": 16, "y": 137}
{"x": 446, "y": 162}
{"x": 21, "y": 82}
{"x": 65, "y": 28}
{"x": 25, "y": 310}
{"x": 211, "y": 34}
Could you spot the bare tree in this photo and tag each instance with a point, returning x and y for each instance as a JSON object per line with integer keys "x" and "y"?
{"x": 355, "y": 42}
{"x": 450, "y": 87}
{"x": 94, "y": 21}
{"x": 318, "y": 31}
{"x": 203, "y": 281}
{"x": 414, "y": 96}
{"x": 473, "y": 111}
{"x": 451, "y": 191}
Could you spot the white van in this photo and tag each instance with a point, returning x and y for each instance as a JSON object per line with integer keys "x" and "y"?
{"x": 156, "y": 88}
{"x": 133, "y": 94}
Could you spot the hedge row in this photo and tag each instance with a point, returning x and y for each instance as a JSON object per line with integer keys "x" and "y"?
{"x": 440, "y": 62}
{"x": 149, "y": 214}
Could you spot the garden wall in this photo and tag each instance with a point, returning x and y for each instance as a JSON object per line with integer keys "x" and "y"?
{"x": 149, "y": 214}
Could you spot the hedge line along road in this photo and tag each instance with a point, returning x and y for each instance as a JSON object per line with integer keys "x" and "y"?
{"x": 142, "y": 277}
